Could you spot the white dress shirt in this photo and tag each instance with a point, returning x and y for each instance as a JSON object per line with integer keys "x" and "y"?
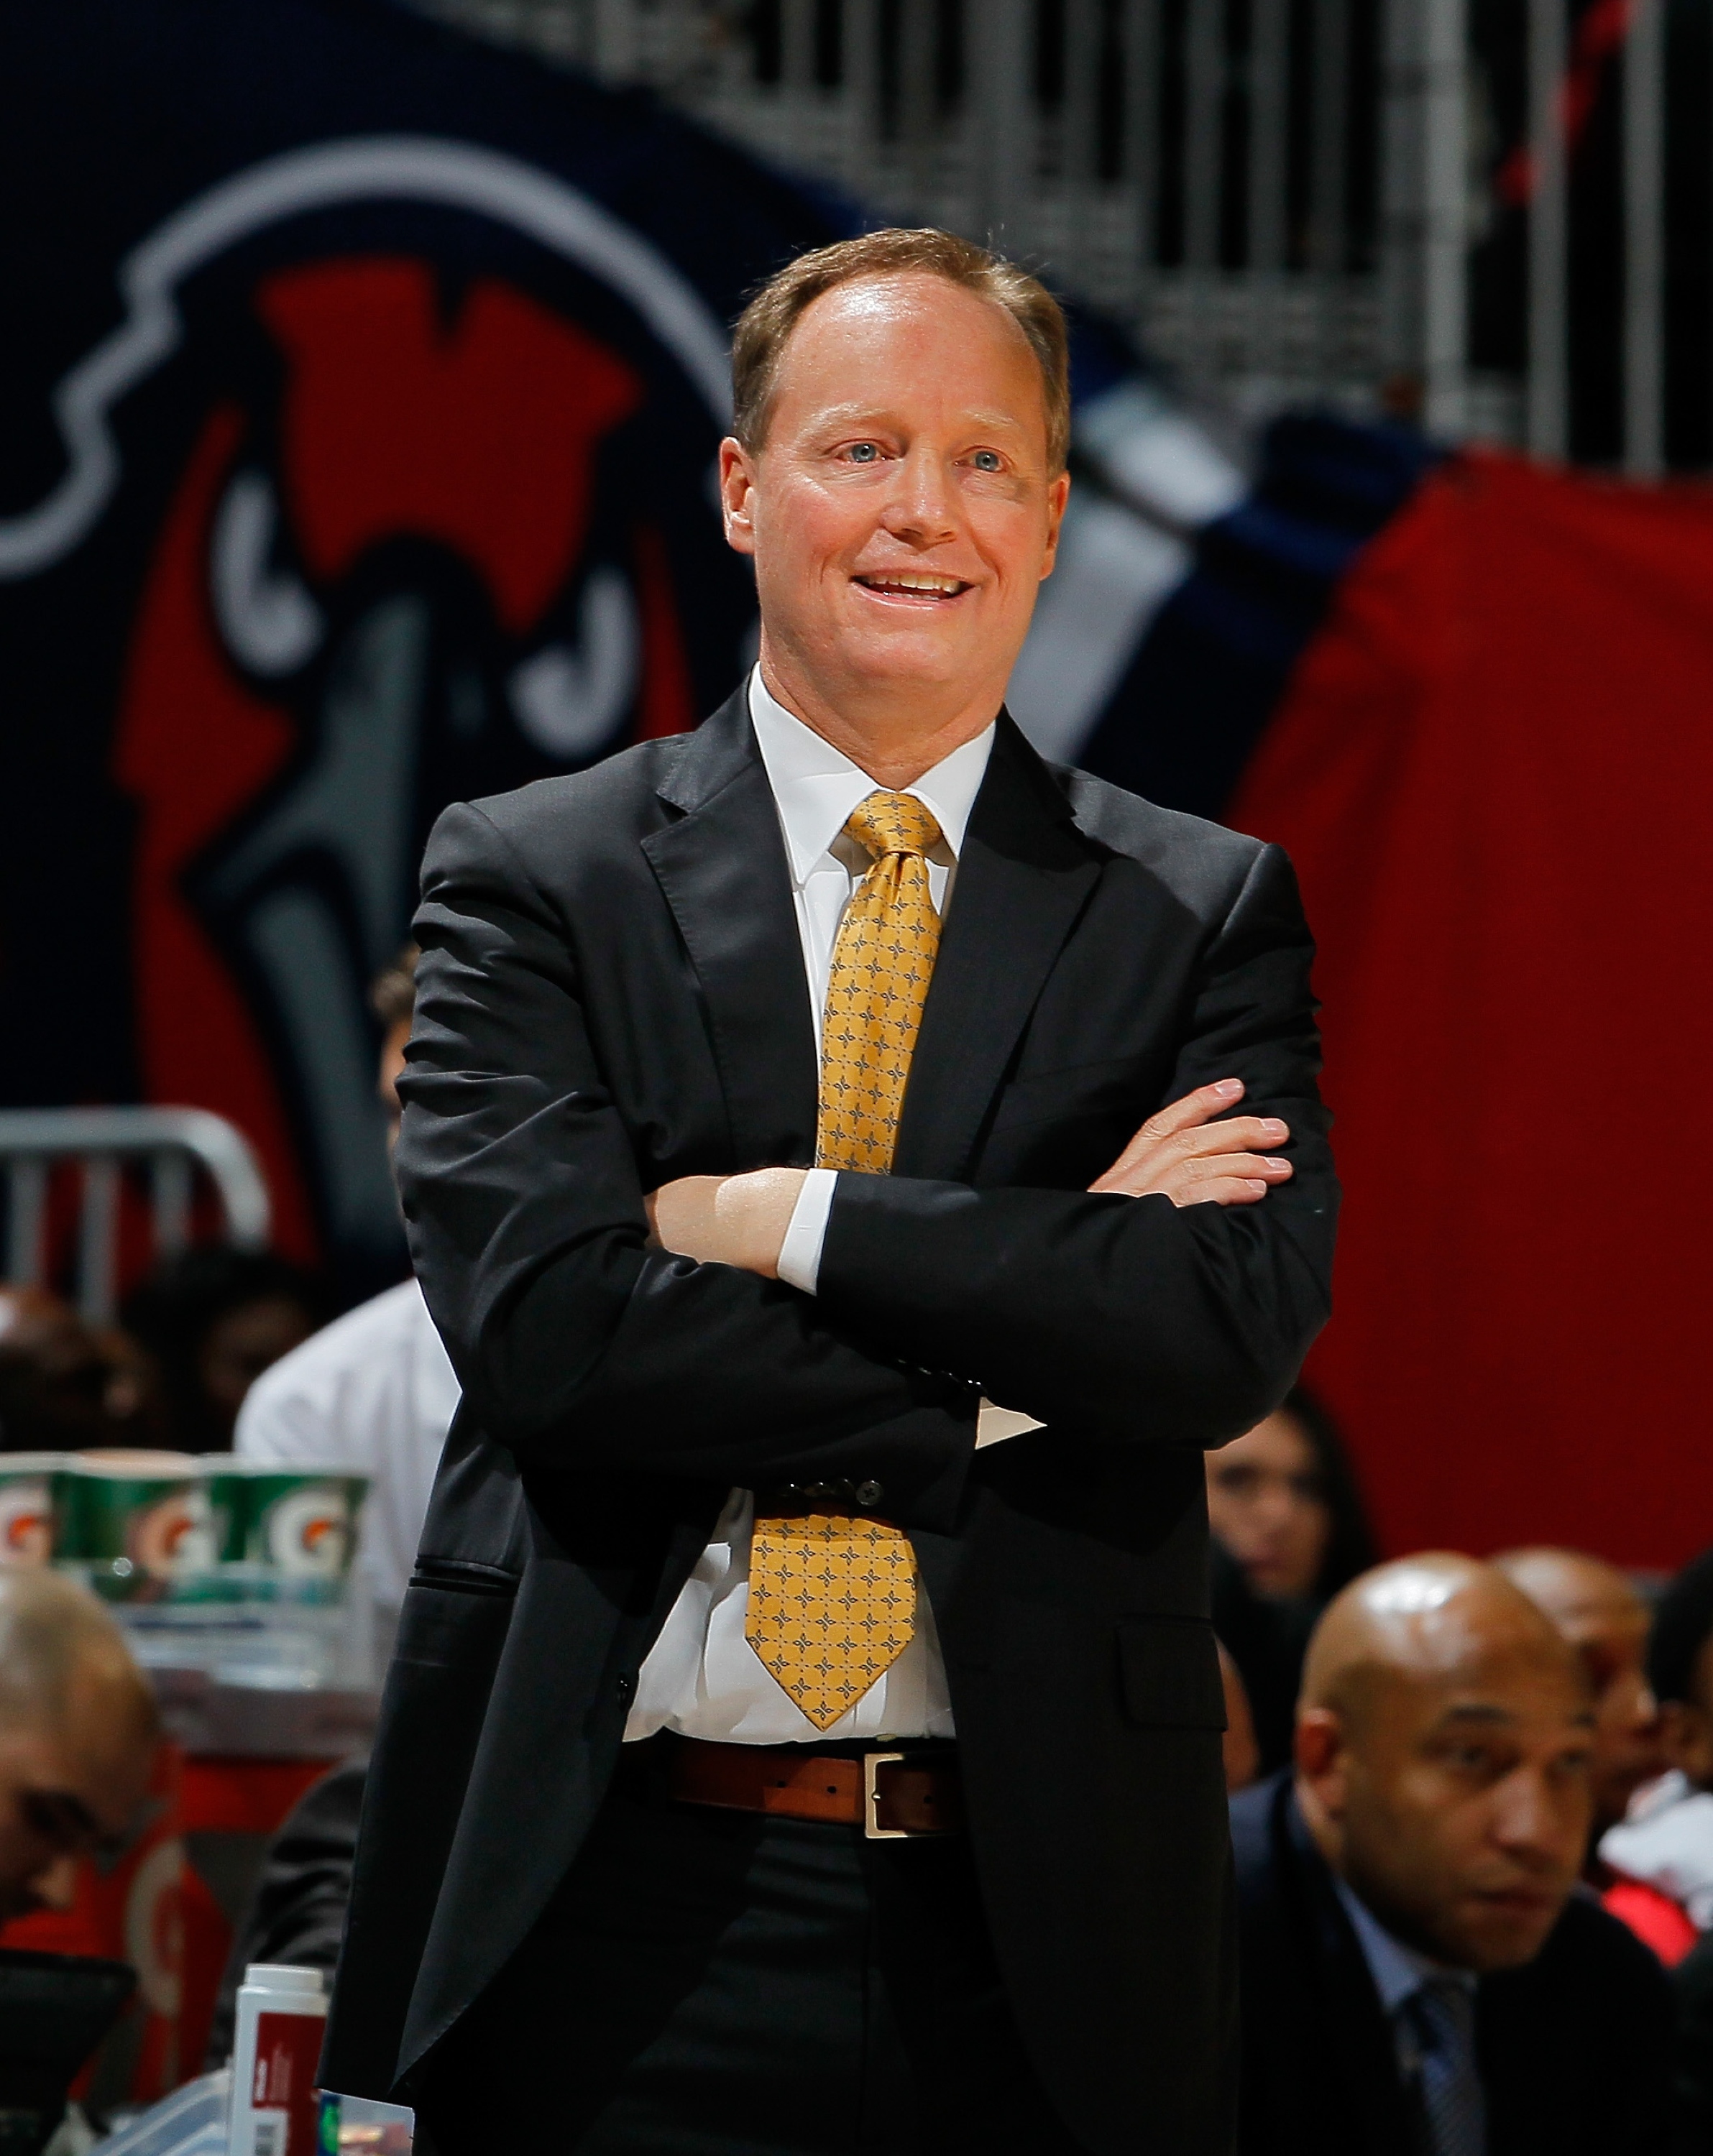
{"x": 372, "y": 1393}
{"x": 1400, "y": 1973}
{"x": 702, "y": 1677}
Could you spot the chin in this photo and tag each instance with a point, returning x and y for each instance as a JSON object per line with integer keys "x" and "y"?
{"x": 942, "y": 647}
{"x": 1493, "y": 1943}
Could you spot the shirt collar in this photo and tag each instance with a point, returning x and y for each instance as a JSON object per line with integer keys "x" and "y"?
{"x": 816, "y": 786}
{"x": 1398, "y": 1971}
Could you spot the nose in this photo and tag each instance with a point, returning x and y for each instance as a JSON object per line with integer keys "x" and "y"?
{"x": 1543, "y": 1824}
{"x": 919, "y": 506}
{"x": 54, "y": 1887}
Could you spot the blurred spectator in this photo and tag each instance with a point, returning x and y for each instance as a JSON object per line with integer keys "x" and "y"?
{"x": 1418, "y": 1974}
{"x": 63, "y": 1387}
{"x": 1289, "y": 1531}
{"x": 1599, "y": 1611}
{"x": 212, "y": 1321}
{"x": 1663, "y": 1853}
{"x": 77, "y": 1737}
{"x": 1266, "y": 1641}
{"x": 1243, "y": 1759}
{"x": 374, "y": 1392}
{"x": 297, "y": 1915}
{"x": 1285, "y": 1507}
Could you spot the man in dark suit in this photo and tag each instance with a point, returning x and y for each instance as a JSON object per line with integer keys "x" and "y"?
{"x": 1421, "y": 1974}
{"x": 787, "y": 1747}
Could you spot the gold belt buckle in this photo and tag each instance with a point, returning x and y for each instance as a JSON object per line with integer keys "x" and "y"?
{"x": 872, "y": 1761}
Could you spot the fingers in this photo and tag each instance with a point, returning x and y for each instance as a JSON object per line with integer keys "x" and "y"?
{"x": 1171, "y": 1121}
{"x": 1242, "y": 1182}
{"x": 1201, "y": 1106}
{"x": 1155, "y": 1160}
{"x": 1185, "y": 1181}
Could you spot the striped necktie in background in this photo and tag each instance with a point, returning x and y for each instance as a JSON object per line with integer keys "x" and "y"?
{"x": 1446, "y": 2087}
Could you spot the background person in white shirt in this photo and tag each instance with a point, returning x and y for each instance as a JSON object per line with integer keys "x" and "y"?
{"x": 374, "y": 1392}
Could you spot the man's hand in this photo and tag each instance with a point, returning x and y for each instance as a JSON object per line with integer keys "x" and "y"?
{"x": 1183, "y": 1154}
{"x": 727, "y": 1219}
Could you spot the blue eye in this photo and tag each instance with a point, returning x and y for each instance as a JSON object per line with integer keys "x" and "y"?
{"x": 987, "y": 460}
{"x": 864, "y": 453}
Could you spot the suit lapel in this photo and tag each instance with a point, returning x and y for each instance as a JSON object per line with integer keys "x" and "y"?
{"x": 1356, "y": 2028}
{"x": 722, "y": 868}
{"x": 1024, "y": 875}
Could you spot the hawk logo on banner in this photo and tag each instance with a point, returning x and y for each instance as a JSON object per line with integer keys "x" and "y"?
{"x": 445, "y": 523}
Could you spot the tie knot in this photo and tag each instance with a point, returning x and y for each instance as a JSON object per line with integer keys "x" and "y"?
{"x": 1443, "y": 2013}
{"x": 892, "y": 824}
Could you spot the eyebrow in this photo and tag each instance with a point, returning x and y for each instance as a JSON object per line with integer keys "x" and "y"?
{"x": 845, "y": 415}
{"x": 1501, "y": 1717}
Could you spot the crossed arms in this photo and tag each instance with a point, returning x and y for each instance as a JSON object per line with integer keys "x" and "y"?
{"x": 1181, "y": 1153}
{"x": 582, "y": 1343}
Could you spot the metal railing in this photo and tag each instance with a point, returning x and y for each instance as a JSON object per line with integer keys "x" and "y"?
{"x": 1487, "y": 212}
{"x": 168, "y": 1145}
{"x": 1207, "y": 170}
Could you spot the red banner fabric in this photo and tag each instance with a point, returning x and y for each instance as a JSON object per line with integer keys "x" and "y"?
{"x": 1494, "y": 773}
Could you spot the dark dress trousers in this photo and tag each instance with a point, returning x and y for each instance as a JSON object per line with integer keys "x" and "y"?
{"x": 612, "y": 994}
{"x": 1573, "y": 2048}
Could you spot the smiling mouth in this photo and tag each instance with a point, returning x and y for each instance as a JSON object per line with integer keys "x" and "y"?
{"x": 914, "y": 584}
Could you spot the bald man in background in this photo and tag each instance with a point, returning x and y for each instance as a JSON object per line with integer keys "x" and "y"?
{"x": 78, "y": 1733}
{"x": 1605, "y": 1621}
{"x": 1420, "y": 1976}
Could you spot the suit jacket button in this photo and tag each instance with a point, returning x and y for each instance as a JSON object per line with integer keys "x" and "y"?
{"x": 869, "y": 1493}
{"x": 626, "y": 1690}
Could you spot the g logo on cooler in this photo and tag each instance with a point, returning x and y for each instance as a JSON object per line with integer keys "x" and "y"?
{"x": 306, "y": 1534}
{"x": 174, "y": 1536}
{"x": 26, "y": 1522}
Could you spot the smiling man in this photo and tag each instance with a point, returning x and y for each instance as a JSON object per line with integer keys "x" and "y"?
{"x": 1418, "y": 1974}
{"x": 856, "y": 1168}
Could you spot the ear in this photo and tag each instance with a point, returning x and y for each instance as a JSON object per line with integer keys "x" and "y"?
{"x": 738, "y": 494}
{"x": 1057, "y": 496}
{"x": 1321, "y": 1757}
{"x": 1686, "y": 1738}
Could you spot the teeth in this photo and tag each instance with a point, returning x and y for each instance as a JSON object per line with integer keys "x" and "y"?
{"x": 947, "y": 586}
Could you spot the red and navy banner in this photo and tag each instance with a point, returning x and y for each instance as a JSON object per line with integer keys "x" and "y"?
{"x": 363, "y": 386}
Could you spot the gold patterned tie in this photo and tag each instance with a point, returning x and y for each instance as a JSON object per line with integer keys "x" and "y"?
{"x": 832, "y": 1594}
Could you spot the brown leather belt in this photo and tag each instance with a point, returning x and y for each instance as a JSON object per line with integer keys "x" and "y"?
{"x": 892, "y": 1796}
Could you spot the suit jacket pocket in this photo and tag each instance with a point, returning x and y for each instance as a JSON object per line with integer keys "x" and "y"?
{"x": 452, "y": 1621}
{"x": 1169, "y": 1670}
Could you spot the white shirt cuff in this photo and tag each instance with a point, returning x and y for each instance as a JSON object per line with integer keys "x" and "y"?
{"x": 800, "y": 1254}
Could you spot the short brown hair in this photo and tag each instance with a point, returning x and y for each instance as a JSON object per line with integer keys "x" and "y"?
{"x": 759, "y": 341}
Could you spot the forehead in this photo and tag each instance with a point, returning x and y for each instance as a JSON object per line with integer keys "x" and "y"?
{"x": 1277, "y": 1443}
{"x": 913, "y": 335}
{"x": 1520, "y": 1685}
{"x": 1616, "y": 1620}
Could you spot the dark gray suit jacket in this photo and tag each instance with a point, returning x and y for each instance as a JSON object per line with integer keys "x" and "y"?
{"x": 612, "y": 994}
